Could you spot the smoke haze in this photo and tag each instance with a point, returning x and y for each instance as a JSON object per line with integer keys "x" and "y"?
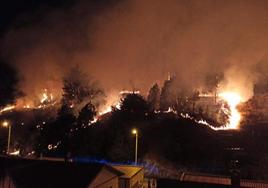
{"x": 131, "y": 44}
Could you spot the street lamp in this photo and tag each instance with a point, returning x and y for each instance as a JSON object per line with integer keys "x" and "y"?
{"x": 6, "y": 124}
{"x": 134, "y": 131}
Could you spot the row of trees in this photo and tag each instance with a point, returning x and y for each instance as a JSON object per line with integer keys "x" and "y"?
{"x": 170, "y": 96}
{"x": 186, "y": 100}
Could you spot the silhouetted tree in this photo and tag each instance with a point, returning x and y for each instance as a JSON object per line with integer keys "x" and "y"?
{"x": 86, "y": 115}
{"x": 168, "y": 96}
{"x": 9, "y": 80}
{"x": 134, "y": 105}
{"x": 153, "y": 99}
{"x": 78, "y": 88}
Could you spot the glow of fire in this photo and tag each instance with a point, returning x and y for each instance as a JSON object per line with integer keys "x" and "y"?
{"x": 27, "y": 106}
{"x": 15, "y": 153}
{"x": 44, "y": 98}
{"x": 93, "y": 121}
{"x": 114, "y": 100}
{"x": 7, "y": 108}
{"x": 206, "y": 95}
{"x": 105, "y": 111}
{"x": 232, "y": 99}
{"x": 109, "y": 109}
{"x": 170, "y": 110}
{"x": 129, "y": 92}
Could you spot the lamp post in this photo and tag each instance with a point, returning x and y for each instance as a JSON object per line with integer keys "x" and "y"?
{"x": 6, "y": 124}
{"x": 135, "y": 132}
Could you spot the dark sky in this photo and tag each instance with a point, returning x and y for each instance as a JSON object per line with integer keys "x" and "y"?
{"x": 11, "y": 9}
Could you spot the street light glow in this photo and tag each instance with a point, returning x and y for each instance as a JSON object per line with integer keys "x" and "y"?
{"x": 135, "y": 132}
{"x": 5, "y": 124}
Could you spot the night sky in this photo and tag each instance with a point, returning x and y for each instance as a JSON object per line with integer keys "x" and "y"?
{"x": 10, "y": 10}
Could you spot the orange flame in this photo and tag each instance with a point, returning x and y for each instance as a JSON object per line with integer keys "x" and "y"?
{"x": 232, "y": 99}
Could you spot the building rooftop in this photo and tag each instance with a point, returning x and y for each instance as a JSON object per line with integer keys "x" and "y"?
{"x": 42, "y": 173}
{"x": 129, "y": 171}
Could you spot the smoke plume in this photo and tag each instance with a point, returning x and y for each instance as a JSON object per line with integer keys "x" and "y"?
{"x": 130, "y": 44}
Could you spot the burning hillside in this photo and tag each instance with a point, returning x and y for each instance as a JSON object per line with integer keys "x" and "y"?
{"x": 225, "y": 103}
{"x": 214, "y": 105}
{"x": 45, "y": 100}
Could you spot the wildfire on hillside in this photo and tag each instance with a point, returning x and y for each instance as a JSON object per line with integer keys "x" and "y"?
{"x": 232, "y": 99}
{"x": 7, "y": 108}
{"x": 45, "y": 100}
{"x": 114, "y": 101}
{"x": 46, "y": 97}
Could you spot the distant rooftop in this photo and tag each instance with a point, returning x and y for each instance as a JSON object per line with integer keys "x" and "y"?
{"x": 220, "y": 180}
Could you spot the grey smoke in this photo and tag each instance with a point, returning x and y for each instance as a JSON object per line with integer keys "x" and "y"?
{"x": 134, "y": 43}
